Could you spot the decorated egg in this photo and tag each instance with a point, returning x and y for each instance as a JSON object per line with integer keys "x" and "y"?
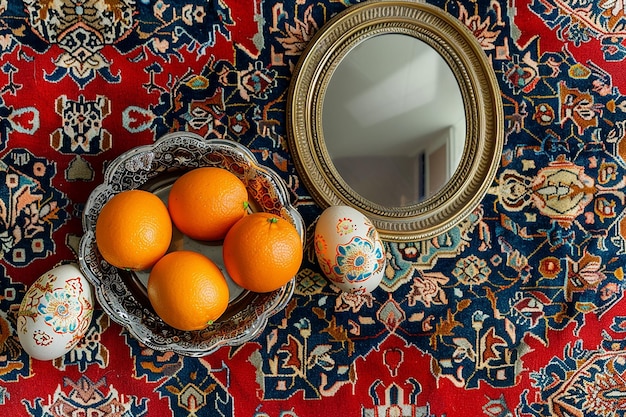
{"x": 348, "y": 249}
{"x": 55, "y": 313}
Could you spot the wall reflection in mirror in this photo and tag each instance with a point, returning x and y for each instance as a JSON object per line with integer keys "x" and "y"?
{"x": 393, "y": 120}
{"x": 394, "y": 109}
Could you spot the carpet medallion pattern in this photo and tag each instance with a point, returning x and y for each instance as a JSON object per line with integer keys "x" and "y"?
{"x": 517, "y": 311}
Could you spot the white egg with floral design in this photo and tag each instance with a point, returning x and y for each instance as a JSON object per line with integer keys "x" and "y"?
{"x": 349, "y": 250}
{"x": 55, "y": 313}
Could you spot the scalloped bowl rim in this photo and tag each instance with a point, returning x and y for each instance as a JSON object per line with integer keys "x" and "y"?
{"x": 138, "y": 329}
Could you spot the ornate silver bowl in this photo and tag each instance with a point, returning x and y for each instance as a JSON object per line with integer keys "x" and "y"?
{"x": 122, "y": 294}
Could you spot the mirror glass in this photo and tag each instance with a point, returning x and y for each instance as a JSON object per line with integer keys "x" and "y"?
{"x": 393, "y": 120}
{"x": 394, "y": 109}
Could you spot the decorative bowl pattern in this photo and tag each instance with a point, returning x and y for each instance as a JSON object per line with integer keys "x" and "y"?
{"x": 122, "y": 294}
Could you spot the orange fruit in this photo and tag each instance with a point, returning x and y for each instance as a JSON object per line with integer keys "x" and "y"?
{"x": 187, "y": 290}
{"x": 205, "y": 202}
{"x": 262, "y": 252}
{"x": 133, "y": 230}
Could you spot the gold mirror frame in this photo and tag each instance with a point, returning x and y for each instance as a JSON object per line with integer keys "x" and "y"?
{"x": 481, "y": 98}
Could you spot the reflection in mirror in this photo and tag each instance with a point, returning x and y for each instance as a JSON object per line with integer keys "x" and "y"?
{"x": 435, "y": 137}
{"x": 393, "y": 120}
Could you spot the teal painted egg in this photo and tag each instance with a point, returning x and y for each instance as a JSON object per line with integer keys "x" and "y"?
{"x": 349, "y": 250}
{"x": 55, "y": 313}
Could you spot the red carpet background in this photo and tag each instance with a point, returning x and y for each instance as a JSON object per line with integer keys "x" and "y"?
{"x": 519, "y": 310}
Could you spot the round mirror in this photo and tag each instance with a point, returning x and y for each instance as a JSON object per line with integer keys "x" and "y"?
{"x": 394, "y": 109}
{"x": 393, "y": 120}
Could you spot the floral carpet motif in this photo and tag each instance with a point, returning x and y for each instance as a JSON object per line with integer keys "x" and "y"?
{"x": 518, "y": 311}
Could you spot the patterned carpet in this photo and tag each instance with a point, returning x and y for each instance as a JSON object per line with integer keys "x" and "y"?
{"x": 518, "y": 311}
